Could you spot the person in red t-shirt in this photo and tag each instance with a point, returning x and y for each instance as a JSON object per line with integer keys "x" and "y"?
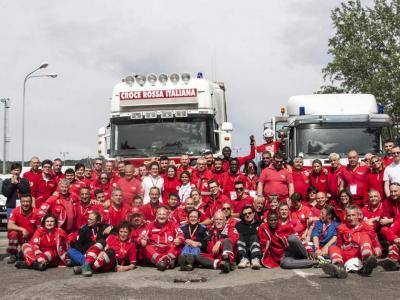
{"x": 354, "y": 178}
{"x": 276, "y": 180}
{"x": 373, "y": 212}
{"x": 227, "y": 152}
{"x": 387, "y": 148}
{"x": 250, "y": 171}
{"x": 374, "y": 178}
{"x": 21, "y": 226}
{"x": 34, "y": 171}
{"x": 301, "y": 180}
{"x": 44, "y": 185}
{"x": 129, "y": 185}
{"x": 318, "y": 178}
{"x": 201, "y": 175}
{"x": 335, "y": 177}
{"x": 218, "y": 170}
{"x": 300, "y": 215}
{"x": 184, "y": 164}
{"x": 214, "y": 201}
{"x": 56, "y": 171}
{"x": 345, "y": 201}
{"x": 229, "y": 178}
{"x": 116, "y": 212}
{"x": 240, "y": 198}
{"x": 171, "y": 183}
{"x": 270, "y": 145}
{"x": 150, "y": 209}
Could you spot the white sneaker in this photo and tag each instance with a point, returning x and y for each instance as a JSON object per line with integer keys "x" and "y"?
{"x": 244, "y": 263}
{"x": 255, "y": 263}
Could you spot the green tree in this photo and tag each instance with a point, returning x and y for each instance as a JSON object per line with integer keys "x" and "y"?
{"x": 365, "y": 52}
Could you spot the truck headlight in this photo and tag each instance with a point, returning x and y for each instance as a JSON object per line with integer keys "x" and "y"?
{"x": 152, "y": 78}
{"x": 141, "y": 79}
{"x": 174, "y": 78}
{"x": 163, "y": 78}
{"x": 185, "y": 77}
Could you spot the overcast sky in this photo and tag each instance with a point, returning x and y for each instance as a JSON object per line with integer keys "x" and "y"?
{"x": 264, "y": 51}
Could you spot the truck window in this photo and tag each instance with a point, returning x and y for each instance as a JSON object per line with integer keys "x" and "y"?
{"x": 314, "y": 140}
{"x": 153, "y": 137}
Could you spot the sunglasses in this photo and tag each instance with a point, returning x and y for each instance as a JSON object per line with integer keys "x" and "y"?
{"x": 247, "y": 214}
{"x": 239, "y": 189}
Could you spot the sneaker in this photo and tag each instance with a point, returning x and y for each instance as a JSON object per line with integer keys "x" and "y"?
{"x": 87, "y": 271}
{"x": 320, "y": 262}
{"x": 39, "y": 266}
{"x": 369, "y": 264}
{"x": 12, "y": 259}
{"x": 255, "y": 263}
{"x": 334, "y": 270}
{"x": 388, "y": 265}
{"x": 244, "y": 263}
{"x": 161, "y": 266}
{"x": 225, "y": 266}
{"x": 21, "y": 265}
{"x": 77, "y": 270}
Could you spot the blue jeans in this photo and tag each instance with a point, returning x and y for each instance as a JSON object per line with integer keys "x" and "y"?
{"x": 76, "y": 256}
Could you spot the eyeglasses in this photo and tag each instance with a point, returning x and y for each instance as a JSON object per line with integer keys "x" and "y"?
{"x": 265, "y": 158}
{"x": 278, "y": 161}
{"x": 226, "y": 208}
{"x": 375, "y": 161}
{"x": 239, "y": 189}
{"x": 247, "y": 214}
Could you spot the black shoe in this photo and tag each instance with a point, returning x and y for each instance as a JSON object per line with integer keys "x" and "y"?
{"x": 161, "y": 266}
{"x": 69, "y": 263}
{"x": 77, "y": 270}
{"x": 182, "y": 262}
{"x": 335, "y": 270}
{"x": 21, "y": 265}
{"x": 369, "y": 264}
{"x": 39, "y": 266}
{"x": 388, "y": 265}
{"x": 12, "y": 259}
{"x": 225, "y": 266}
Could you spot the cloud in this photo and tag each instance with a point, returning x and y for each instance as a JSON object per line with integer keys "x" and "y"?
{"x": 265, "y": 51}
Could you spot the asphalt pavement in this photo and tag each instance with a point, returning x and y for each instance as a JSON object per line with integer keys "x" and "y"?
{"x": 148, "y": 283}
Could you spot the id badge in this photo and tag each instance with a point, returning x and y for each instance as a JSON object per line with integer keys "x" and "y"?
{"x": 17, "y": 202}
{"x": 353, "y": 189}
{"x": 233, "y": 196}
{"x": 253, "y": 194}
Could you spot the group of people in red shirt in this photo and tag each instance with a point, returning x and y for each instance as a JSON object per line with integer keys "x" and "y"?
{"x": 213, "y": 212}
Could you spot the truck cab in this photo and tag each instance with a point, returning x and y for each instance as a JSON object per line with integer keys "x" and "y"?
{"x": 320, "y": 124}
{"x": 165, "y": 115}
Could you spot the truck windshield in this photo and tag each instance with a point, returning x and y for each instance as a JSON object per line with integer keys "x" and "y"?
{"x": 156, "y": 137}
{"x": 316, "y": 140}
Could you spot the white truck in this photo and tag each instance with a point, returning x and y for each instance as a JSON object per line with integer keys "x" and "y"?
{"x": 319, "y": 124}
{"x": 165, "y": 115}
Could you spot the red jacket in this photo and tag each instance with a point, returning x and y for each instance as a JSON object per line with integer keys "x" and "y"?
{"x": 162, "y": 236}
{"x": 335, "y": 177}
{"x": 346, "y": 236}
{"x": 228, "y": 183}
{"x": 301, "y": 181}
{"x": 373, "y": 181}
{"x": 56, "y": 240}
{"x": 115, "y": 216}
{"x": 125, "y": 252}
{"x": 82, "y": 212}
{"x": 200, "y": 180}
{"x": 368, "y": 213}
{"x": 213, "y": 205}
{"x": 42, "y": 189}
{"x": 63, "y": 207}
{"x": 218, "y": 235}
{"x": 31, "y": 176}
{"x": 75, "y": 187}
{"x": 320, "y": 181}
{"x": 149, "y": 211}
{"x": 392, "y": 232}
{"x": 171, "y": 186}
{"x": 355, "y": 181}
{"x": 273, "y": 243}
{"x": 300, "y": 217}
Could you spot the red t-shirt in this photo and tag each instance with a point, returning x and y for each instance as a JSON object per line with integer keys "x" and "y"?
{"x": 301, "y": 181}
{"x": 276, "y": 182}
{"x": 130, "y": 188}
{"x": 30, "y": 222}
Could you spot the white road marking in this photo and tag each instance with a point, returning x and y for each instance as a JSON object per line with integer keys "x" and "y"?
{"x": 305, "y": 275}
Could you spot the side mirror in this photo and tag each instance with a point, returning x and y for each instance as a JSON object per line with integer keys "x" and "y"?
{"x": 227, "y": 126}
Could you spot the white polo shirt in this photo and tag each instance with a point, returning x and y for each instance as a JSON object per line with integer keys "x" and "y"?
{"x": 392, "y": 173}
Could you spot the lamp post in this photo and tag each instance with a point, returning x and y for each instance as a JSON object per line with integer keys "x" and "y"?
{"x": 6, "y": 102}
{"x": 52, "y": 75}
{"x": 64, "y": 154}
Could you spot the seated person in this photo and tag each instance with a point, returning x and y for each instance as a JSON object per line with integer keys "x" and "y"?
{"x": 324, "y": 233}
{"x": 47, "y": 247}
{"x": 21, "y": 226}
{"x": 119, "y": 254}
{"x": 220, "y": 253}
{"x": 196, "y": 239}
{"x": 162, "y": 240}
{"x": 248, "y": 244}
{"x": 355, "y": 239}
{"x": 280, "y": 246}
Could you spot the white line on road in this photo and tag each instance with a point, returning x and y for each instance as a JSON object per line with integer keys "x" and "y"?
{"x": 309, "y": 281}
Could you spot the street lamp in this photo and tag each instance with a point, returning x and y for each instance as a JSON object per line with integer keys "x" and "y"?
{"x": 52, "y": 75}
{"x": 64, "y": 154}
{"x": 6, "y": 102}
